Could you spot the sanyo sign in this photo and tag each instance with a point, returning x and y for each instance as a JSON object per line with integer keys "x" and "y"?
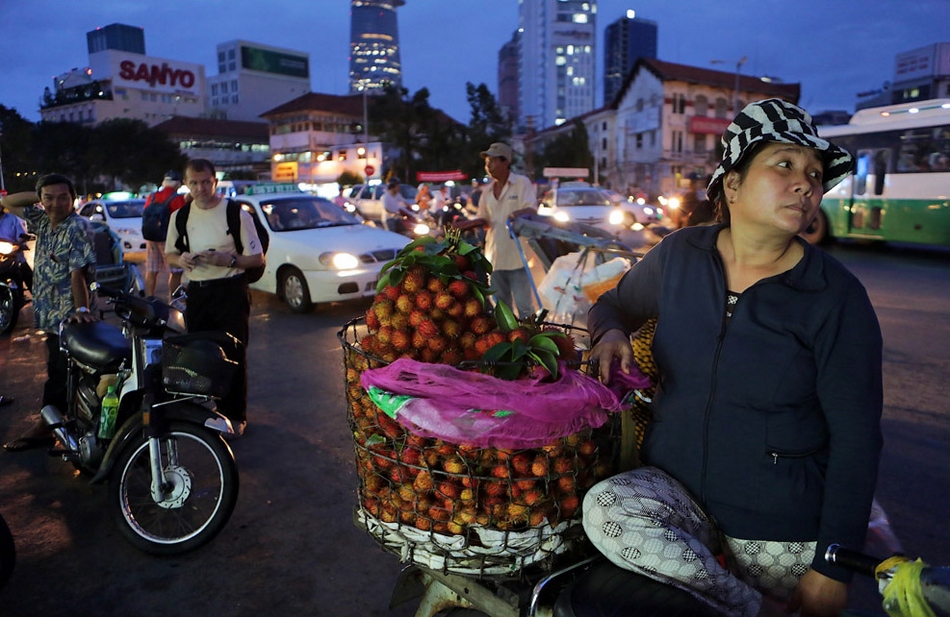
{"x": 148, "y": 73}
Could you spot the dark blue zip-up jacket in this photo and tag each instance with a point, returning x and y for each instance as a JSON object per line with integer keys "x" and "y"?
{"x": 772, "y": 420}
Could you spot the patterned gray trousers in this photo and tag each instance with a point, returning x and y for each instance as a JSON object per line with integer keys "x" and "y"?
{"x": 645, "y": 521}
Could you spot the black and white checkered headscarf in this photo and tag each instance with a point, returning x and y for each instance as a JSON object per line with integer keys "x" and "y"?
{"x": 777, "y": 120}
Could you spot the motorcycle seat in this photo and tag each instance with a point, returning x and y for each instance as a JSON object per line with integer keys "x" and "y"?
{"x": 98, "y": 344}
{"x": 607, "y": 590}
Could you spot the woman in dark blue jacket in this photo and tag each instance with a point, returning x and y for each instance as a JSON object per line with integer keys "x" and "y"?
{"x": 765, "y": 437}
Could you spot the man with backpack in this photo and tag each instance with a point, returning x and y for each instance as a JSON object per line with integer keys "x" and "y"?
{"x": 218, "y": 246}
{"x": 158, "y": 208}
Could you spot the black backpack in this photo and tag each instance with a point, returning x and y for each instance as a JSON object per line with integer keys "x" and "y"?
{"x": 234, "y": 229}
{"x": 155, "y": 218}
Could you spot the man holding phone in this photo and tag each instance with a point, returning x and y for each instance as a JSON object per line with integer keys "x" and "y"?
{"x": 218, "y": 296}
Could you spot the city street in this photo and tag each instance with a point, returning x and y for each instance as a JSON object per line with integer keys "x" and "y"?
{"x": 291, "y": 548}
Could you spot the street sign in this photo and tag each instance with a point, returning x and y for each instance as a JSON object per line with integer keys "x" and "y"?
{"x": 370, "y": 170}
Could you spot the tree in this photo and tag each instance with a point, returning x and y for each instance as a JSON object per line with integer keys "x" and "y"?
{"x": 488, "y": 123}
{"x": 132, "y": 154}
{"x": 63, "y": 147}
{"x": 19, "y": 170}
{"x": 569, "y": 149}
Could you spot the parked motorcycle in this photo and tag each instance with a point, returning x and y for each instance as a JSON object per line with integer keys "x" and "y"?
{"x": 172, "y": 479}
{"x": 7, "y": 553}
{"x": 15, "y": 273}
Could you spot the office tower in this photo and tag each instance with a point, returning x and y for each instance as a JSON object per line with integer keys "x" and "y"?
{"x": 116, "y": 36}
{"x": 625, "y": 41}
{"x": 557, "y": 62}
{"x": 374, "y": 45}
{"x": 508, "y": 76}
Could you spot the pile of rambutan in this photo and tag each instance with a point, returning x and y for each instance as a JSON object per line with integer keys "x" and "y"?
{"x": 431, "y": 307}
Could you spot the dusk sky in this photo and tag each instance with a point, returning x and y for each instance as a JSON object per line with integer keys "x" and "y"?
{"x": 833, "y": 48}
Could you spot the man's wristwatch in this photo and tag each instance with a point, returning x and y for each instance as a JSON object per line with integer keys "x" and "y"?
{"x": 233, "y": 261}
{"x": 82, "y": 309}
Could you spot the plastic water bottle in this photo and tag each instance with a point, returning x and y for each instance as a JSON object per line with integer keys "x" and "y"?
{"x": 108, "y": 414}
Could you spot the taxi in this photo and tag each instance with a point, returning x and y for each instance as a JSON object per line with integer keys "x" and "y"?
{"x": 318, "y": 252}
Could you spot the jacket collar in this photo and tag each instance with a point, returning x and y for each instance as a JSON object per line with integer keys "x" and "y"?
{"x": 807, "y": 275}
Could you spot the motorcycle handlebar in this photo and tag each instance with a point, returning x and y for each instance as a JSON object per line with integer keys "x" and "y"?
{"x": 851, "y": 560}
{"x": 149, "y": 312}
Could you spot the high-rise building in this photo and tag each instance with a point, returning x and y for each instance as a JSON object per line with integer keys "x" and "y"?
{"x": 508, "y": 76}
{"x": 625, "y": 41}
{"x": 253, "y": 78}
{"x": 557, "y": 62}
{"x": 119, "y": 37}
{"x": 374, "y": 45}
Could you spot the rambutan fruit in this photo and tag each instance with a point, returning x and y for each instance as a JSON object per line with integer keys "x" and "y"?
{"x": 372, "y": 320}
{"x": 427, "y": 328}
{"x": 519, "y": 334}
{"x": 444, "y": 300}
{"x": 404, "y": 303}
{"x": 416, "y": 318}
{"x": 414, "y": 280}
{"x": 455, "y": 309}
{"x": 451, "y": 328}
{"x": 435, "y": 285}
{"x": 438, "y": 344}
{"x": 424, "y": 300}
{"x": 481, "y": 324}
{"x": 452, "y": 356}
{"x": 401, "y": 340}
{"x": 521, "y": 464}
{"x": 384, "y": 309}
{"x": 459, "y": 288}
{"x": 399, "y": 321}
{"x": 539, "y": 467}
{"x": 429, "y": 355}
{"x": 472, "y": 308}
{"x": 419, "y": 341}
{"x": 392, "y": 292}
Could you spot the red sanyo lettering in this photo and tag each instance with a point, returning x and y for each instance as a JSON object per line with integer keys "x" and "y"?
{"x": 154, "y": 74}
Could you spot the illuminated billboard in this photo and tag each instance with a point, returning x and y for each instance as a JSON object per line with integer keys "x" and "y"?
{"x": 276, "y": 62}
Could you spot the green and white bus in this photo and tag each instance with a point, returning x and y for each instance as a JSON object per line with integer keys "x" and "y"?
{"x": 900, "y": 191}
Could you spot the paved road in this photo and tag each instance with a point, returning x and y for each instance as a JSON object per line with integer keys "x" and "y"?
{"x": 291, "y": 548}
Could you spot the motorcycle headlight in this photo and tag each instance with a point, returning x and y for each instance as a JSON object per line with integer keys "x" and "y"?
{"x": 562, "y": 216}
{"x": 6, "y": 248}
{"x": 616, "y": 217}
{"x": 340, "y": 261}
{"x": 421, "y": 229}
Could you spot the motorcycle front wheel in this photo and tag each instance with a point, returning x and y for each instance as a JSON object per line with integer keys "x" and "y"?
{"x": 197, "y": 499}
{"x": 9, "y": 310}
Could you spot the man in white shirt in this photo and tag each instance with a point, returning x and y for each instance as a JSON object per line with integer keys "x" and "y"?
{"x": 507, "y": 196}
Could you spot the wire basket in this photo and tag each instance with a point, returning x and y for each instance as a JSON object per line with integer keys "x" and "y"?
{"x": 195, "y": 364}
{"x": 464, "y": 509}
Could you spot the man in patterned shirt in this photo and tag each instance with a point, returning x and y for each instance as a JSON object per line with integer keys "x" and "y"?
{"x": 64, "y": 265}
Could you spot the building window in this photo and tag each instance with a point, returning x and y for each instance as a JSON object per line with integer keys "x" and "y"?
{"x": 639, "y": 141}
{"x": 234, "y": 99}
{"x": 232, "y": 66}
{"x": 231, "y": 54}
{"x": 603, "y": 143}
{"x": 214, "y": 89}
{"x": 224, "y": 87}
{"x": 701, "y": 105}
{"x": 699, "y": 145}
{"x": 679, "y": 103}
{"x": 721, "y": 107}
{"x": 234, "y": 85}
{"x": 640, "y": 104}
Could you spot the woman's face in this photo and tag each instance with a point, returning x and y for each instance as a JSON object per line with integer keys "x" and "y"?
{"x": 781, "y": 190}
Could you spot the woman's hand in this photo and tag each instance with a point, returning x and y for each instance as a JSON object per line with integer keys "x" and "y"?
{"x": 819, "y": 596}
{"x": 613, "y": 344}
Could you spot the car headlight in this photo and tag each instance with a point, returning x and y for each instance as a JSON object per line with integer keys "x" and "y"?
{"x": 616, "y": 217}
{"x": 648, "y": 210}
{"x": 340, "y": 261}
{"x": 562, "y": 216}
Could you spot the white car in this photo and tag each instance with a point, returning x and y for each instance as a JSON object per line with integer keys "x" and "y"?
{"x": 123, "y": 215}
{"x": 598, "y": 207}
{"x": 317, "y": 252}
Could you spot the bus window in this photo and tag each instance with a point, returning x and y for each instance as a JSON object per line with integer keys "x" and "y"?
{"x": 880, "y": 170}
{"x": 861, "y": 173}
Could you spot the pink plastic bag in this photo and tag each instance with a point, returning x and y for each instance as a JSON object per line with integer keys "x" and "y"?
{"x": 438, "y": 400}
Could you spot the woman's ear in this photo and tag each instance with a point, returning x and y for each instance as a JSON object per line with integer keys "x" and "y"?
{"x": 730, "y": 184}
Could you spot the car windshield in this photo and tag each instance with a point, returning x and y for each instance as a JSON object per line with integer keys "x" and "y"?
{"x": 579, "y": 197}
{"x": 304, "y": 212}
{"x": 125, "y": 209}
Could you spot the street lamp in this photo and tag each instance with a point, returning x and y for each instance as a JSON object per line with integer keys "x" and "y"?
{"x": 739, "y": 63}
